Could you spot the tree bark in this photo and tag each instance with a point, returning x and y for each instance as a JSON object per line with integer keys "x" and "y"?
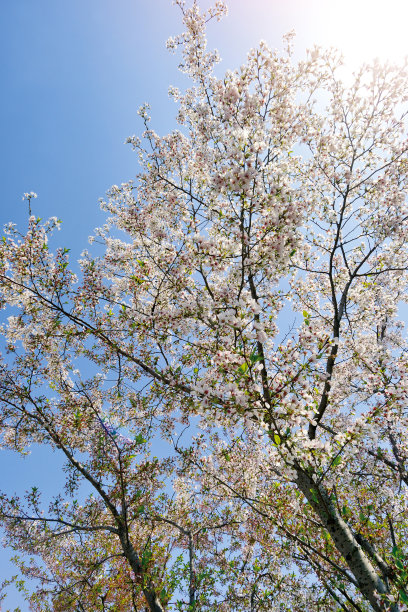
{"x": 148, "y": 588}
{"x": 367, "y": 578}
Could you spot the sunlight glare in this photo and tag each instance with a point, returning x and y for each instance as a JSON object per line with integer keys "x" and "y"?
{"x": 366, "y": 29}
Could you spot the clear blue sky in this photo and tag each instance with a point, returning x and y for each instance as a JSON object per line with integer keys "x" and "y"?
{"x": 73, "y": 75}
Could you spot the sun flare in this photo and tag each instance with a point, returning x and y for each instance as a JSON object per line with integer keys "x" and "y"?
{"x": 366, "y": 29}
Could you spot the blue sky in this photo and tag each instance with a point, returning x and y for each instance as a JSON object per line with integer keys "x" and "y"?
{"x": 73, "y": 75}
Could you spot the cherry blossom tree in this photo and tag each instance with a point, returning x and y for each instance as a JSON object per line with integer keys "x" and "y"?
{"x": 228, "y": 382}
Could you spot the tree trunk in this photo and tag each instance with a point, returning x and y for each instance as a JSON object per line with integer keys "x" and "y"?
{"x": 367, "y": 578}
{"x": 148, "y": 588}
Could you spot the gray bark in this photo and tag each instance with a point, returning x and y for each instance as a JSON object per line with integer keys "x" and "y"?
{"x": 368, "y": 580}
{"x": 148, "y": 588}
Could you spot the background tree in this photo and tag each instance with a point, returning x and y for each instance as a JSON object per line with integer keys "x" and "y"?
{"x": 280, "y": 475}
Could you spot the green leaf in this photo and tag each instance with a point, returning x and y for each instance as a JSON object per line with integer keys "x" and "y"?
{"x": 306, "y": 317}
{"x": 139, "y": 439}
{"x": 396, "y": 552}
{"x": 137, "y": 280}
{"x": 326, "y": 536}
{"x": 314, "y": 495}
{"x": 293, "y": 251}
{"x": 243, "y": 368}
{"x": 163, "y": 594}
{"x": 277, "y": 439}
{"x": 226, "y": 455}
{"x": 336, "y": 461}
{"x": 146, "y": 557}
{"x": 403, "y": 597}
{"x": 254, "y": 357}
